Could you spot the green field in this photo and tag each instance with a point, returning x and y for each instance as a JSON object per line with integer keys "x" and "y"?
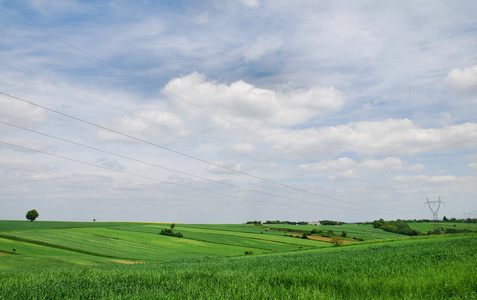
{"x": 87, "y": 242}
{"x": 424, "y": 227}
{"x": 364, "y": 231}
{"x": 71, "y": 260}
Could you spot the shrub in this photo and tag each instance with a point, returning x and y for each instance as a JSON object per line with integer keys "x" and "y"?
{"x": 336, "y": 240}
{"x": 169, "y": 232}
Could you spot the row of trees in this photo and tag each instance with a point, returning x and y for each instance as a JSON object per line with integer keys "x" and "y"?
{"x": 324, "y": 222}
{"x": 286, "y": 222}
{"x": 329, "y": 222}
{"x": 398, "y": 226}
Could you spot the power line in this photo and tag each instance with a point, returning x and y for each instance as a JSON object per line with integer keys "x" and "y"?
{"x": 166, "y": 168}
{"x": 180, "y": 132}
{"x": 266, "y": 139}
{"x": 187, "y": 155}
{"x": 154, "y": 179}
{"x": 190, "y": 103}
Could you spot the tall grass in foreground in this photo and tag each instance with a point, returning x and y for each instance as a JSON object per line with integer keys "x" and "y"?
{"x": 438, "y": 268}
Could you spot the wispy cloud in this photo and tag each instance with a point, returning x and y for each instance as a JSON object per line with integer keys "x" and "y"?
{"x": 368, "y": 102}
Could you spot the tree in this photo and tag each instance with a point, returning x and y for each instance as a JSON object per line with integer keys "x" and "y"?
{"x": 336, "y": 241}
{"x": 32, "y": 215}
{"x": 172, "y": 226}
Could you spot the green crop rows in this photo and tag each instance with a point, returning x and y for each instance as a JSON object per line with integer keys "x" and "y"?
{"x": 53, "y": 260}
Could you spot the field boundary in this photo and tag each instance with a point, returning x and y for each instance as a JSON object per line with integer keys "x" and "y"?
{"x": 252, "y": 238}
{"x": 262, "y": 239}
{"x": 46, "y": 244}
{"x": 220, "y": 243}
{"x": 323, "y": 239}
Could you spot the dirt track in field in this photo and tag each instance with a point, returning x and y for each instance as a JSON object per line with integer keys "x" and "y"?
{"x": 126, "y": 262}
{"x": 323, "y": 239}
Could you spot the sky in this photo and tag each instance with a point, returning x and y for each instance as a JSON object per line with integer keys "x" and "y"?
{"x": 234, "y": 111}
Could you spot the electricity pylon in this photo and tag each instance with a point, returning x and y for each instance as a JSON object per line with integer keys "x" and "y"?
{"x": 435, "y": 210}
{"x": 470, "y": 214}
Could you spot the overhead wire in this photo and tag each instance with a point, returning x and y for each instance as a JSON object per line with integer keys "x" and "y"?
{"x": 184, "y": 154}
{"x": 170, "y": 169}
{"x": 155, "y": 179}
{"x": 179, "y": 132}
{"x": 266, "y": 139}
{"x": 190, "y": 103}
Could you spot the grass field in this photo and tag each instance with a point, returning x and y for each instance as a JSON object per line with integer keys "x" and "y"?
{"x": 364, "y": 231}
{"x": 132, "y": 261}
{"x": 136, "y": 241}
{"x": 424, "y": 227}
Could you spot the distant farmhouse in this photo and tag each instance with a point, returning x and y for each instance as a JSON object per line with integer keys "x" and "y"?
{"x": 315, "y": 223}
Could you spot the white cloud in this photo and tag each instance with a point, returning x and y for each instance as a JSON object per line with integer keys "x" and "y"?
{"x": 389, "y": 137}
{"x": 387, "y": 164}
{"x": 339, "y": 165}
{"x": 55, "y": 6}
{"x": 202, "y": 18}
{"x": 251, "y": 3}
{"x": 349, "y": 166}
{"x": 366, "y": 102}
{"x": 463, "y": 81}
{"x": 431, "y": 179}
{"x": 261, "y": 48}
{"x": 147, "y": 124}
{"x": 241, "y": 101}
{"x": 416, "y": 168}
{"x": 33, "y": 144}
{"x": 225, "y": 167}
{"x": 244, "y": 148}
{"x": 110, "y": 163}
{"x": 20, "y": 164}
{"x": 20, "y": 113}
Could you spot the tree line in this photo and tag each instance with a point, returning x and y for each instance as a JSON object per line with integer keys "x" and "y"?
{"x": 323, "y": 222}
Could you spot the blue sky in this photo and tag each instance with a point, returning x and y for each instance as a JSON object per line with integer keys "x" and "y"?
{"x": 212, "y": 112}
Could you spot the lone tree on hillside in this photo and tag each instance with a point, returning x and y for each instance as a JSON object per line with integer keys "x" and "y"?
{"x": 32, "y": 215}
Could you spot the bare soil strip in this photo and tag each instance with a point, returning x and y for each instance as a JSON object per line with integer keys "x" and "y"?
{"x": 323, "y": 239}
{"x": 126, "y": 262}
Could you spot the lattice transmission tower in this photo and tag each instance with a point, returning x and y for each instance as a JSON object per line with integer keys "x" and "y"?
{"x": 470, "y": 214}
{"x": 434, "y": 207}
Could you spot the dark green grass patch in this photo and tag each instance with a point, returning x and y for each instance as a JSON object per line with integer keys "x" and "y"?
{"x": 27, "y": 225}
{"x": 19, "y": 255}
{"x": 66, "y": 239}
